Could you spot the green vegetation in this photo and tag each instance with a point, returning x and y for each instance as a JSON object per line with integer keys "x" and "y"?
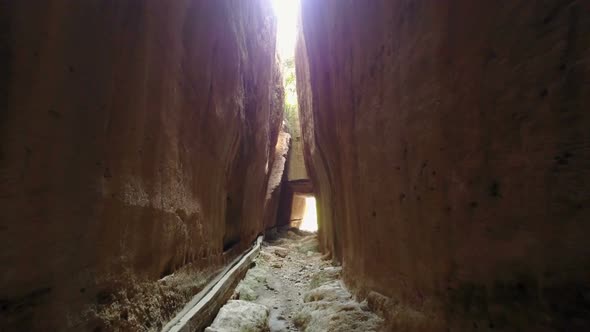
{"x": 291, "y": 108}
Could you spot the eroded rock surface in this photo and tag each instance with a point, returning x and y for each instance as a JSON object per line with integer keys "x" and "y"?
{"x": 331, "y": 308}
{"x": 448, "y": 144}
{"x": 240, "y": 316}
{"x": 136, "y": 138}
{"x": 302, "y": 291}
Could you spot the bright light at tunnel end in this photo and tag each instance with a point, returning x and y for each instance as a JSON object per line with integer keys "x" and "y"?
{"x": 287, "y": 12}
{"x": 310, "y": 216}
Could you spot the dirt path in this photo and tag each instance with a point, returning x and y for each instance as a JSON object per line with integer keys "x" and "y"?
{"x": 298, "y": 290}
{"x": 290, "y": 262}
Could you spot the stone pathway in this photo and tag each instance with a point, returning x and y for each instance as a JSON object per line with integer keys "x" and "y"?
{"x": 300, "y": 291}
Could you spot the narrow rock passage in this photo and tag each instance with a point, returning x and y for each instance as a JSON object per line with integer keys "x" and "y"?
{"x": 291, "y": 288}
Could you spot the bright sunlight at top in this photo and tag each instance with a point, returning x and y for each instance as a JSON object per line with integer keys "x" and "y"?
{"x": 286, "y": 11}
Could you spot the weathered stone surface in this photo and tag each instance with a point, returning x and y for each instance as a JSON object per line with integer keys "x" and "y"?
{"x": 291, "y": 199}
{"x": 275, "y": 186}
{"x": 135, "y": 137}
{"x": 330, "y": 308}
{"x": 281, "y": 252}
{"x": 297, "y": 210}
{"x": 247, "y": 288}
{"x": 449, "y": 146}
{"x": 240, "y": 316}
{"x": 296, "y": 163}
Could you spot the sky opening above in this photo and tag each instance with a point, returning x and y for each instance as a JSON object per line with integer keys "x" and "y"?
{"x": 287, "y": 12}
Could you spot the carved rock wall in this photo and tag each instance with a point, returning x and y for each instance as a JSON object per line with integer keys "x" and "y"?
{"x": 135, "y": 138}
{"x": 449, "y": 148}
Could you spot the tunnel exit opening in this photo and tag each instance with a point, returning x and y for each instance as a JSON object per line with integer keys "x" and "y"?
{"x": 310, "y": 217}
{"x": 300, "y": 204}
{"x": 304, "y": 213}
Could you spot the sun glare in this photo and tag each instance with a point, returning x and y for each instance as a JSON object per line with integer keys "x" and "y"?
{"x": 310, "y": 217}
{"x": 287, "y": 12}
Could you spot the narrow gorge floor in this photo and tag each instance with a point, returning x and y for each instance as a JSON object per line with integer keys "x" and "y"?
{"x": 292, "y": 288}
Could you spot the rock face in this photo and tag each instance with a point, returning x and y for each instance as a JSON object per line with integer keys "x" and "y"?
{"x": 449, "y": 147}
{"x": 243, "y": 316}
{"x": 329, "y": 308}
{"x": 276, "y": 178}
{"x": 135, "y": 138}
{"x": 296, "y": 165}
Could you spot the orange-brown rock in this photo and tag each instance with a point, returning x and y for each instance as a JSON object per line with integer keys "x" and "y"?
{"x": 449, "y": 146}
{"x": 277, "y": 176}
{"x": 135, "y": 138}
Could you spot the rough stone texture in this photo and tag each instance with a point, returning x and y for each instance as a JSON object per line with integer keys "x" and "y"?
{"x": 135, "y": 136}
{"x": 296, "y": 163}
{"x": 240, "y": 316}
{"x": 329, "y": 307}
{"x": 449, "y": 146}
{"x": 291, "y": 279}
{"x": 276, "y": 178}
{"x": 276, "y": 117}
{"x": 289, "y": 190}
{"x": 297, "y": 210}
